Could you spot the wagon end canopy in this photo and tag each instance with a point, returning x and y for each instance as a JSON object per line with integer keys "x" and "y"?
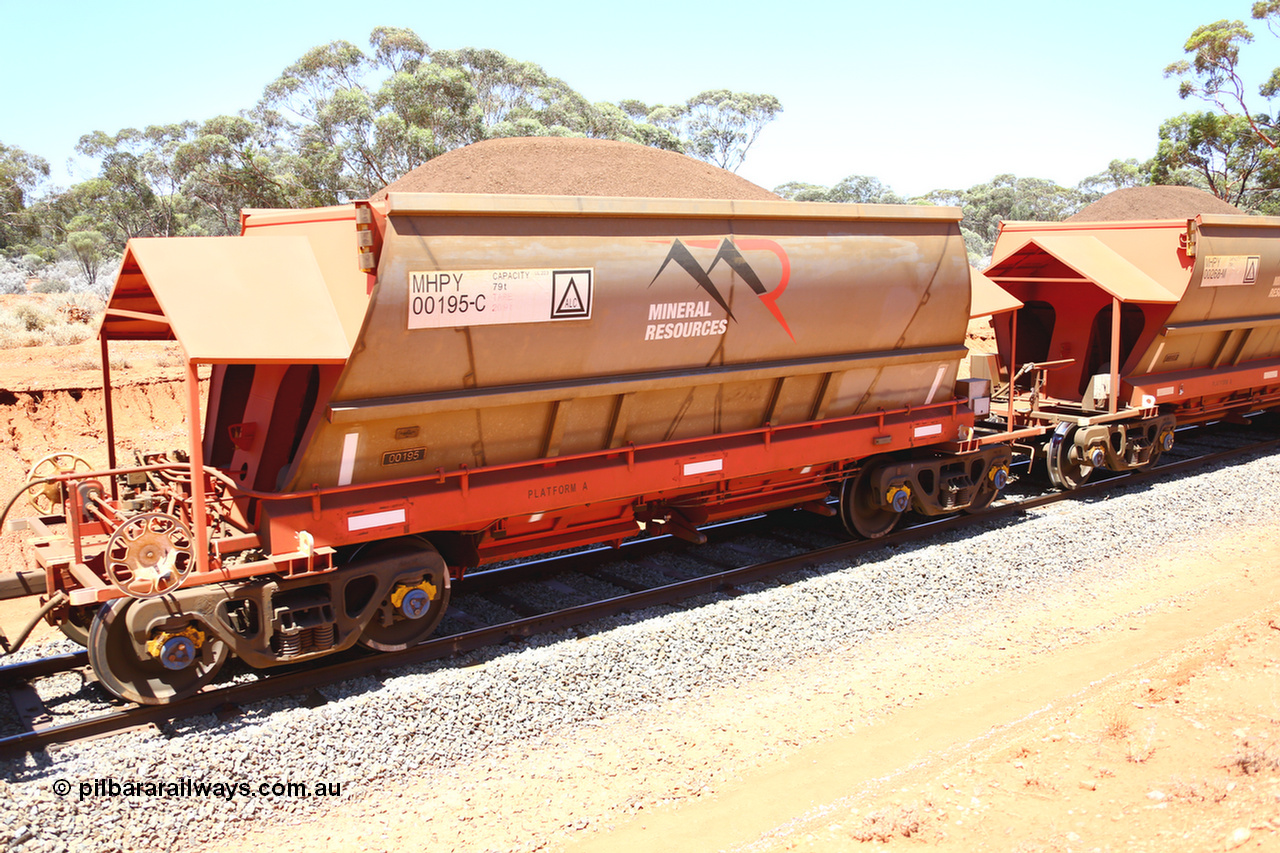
{"x": 227, "y": 300}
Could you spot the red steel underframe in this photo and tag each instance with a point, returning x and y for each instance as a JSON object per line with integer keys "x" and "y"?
{"x": 777, "y": 465}
{"x": 745, "y": 470}
{"x": 1206, "y": 393}
{"x": 792, "y": 457}
{"x": 1192, "y": 396}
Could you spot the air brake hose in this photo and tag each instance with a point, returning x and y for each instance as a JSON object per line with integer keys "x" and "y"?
{"x": 56, "y": 600}
{"x": 22, "y": 491}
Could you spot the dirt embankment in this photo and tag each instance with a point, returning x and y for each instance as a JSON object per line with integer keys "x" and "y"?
{"x": 51, "y": 400}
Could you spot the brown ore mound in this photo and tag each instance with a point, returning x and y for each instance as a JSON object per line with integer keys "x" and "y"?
{"x": 575, "y": 167}
{"x": 1158, "y": 202}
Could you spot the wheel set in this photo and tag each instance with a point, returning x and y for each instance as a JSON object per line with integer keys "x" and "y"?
{"x": 880, "y": 491}
{"x": 860, "y": 508}
{"x": 179, "y": 668}
{"x": 163, "y": 643}
{"x": 1068, "y": 466}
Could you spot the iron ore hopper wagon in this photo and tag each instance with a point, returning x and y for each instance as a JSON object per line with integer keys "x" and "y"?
{"x": 1122, "y": 330}
{"x": 405, "y": 389}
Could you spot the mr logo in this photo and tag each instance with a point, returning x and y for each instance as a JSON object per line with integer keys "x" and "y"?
{"x": 730, "y": 254}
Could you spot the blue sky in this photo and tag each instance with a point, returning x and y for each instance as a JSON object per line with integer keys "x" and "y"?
{"x": 922, "y": 95}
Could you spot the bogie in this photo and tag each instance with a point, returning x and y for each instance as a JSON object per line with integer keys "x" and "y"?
{"x": 162, "y": 649}
{"x": 880, "y": 491}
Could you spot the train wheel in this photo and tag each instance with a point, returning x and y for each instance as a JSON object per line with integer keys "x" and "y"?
{"x": 990, "y": 488}
{"x": 414, "y": 607}
{"x": 182, "y": 663}
{"x": 860, "y": 508}
{"x": 1164, "y": 442}
{"x": 1064, "y": 471}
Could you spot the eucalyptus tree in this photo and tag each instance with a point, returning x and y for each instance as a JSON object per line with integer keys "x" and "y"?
{"x": 1119, "y": 174}
{"x": 337, "y": 124}
{"x": 346, "y": 112}
{"x": 358, "y": 120}
{"x": 137, "y": 191}
{"x": 802, "y": 191}
{"x": 855, "y": 189}
{"x": 232, "y": 162}
{"x": 721, "y": 126}
{"x": 1221, "y": 153}
{"x": 1006, "y": 197}
{"x": 20, "y": 174}
{"x": 91, "y": 252}
{"x": 1213, "y": 71}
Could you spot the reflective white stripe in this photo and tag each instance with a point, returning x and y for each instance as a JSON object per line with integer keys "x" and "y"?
{"x": 706, "y": 467}
{"x": 937, "y": 380}
{"x": 1271, "y": 374}
{"x": 1164, "y": 392}
{"x": 537, "y": 516}
{"x": 931, "y": 429}
{"x": 375, "y": 519}
{"x": 348, "y": 466}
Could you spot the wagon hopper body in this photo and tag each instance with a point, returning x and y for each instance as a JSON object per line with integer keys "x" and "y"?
{"x": 1127, "y": 328}
{"x": 402, "y": 390}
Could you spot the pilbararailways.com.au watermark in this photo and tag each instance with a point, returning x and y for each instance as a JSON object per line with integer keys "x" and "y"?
{"x": 192, "y": 788}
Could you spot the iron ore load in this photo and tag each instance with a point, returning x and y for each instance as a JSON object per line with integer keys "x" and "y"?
{"x": 406, "y": 388}
{"x": 1127, "y": 328}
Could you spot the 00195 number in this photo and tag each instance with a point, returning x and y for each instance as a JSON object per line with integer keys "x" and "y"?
{"x": 454, "y": 303}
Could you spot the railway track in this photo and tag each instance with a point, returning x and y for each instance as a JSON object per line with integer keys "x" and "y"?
{"x": 469, "y": 632}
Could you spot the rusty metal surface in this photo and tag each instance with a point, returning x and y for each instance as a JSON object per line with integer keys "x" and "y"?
{"x": 227, "y": 299}
{"x": 331, "y": 233}
{"x": 1152, "y": 247}
{"x": 988, "y": 297}
{"x": 538, "y": 496}
{"x": 1091, "y": 261}
{"x": 1231, "y": 311}
{"x": 686, "y": 318}
{"x": 1201, "y": 299}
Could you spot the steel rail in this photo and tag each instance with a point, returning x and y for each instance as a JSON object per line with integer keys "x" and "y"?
{"x": 478, "y": 582}
{"x": 306, "y": 680}
{"x": 42, "y": 667}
